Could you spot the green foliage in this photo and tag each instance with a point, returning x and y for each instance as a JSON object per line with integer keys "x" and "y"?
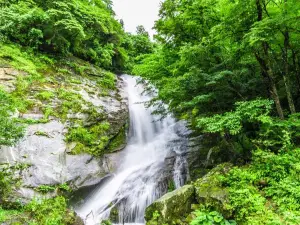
{"x": 137, "y": 46}
{"x": 45, "y": 95}
{"x": 119, "y": 141}
{"x": 24, "y": 59}
{"x": 215, "y": 53}
{"x": 266, "y": 191}
{"x": 48, "y": 188}
{"x": 5, "y": 183}
{"x": 231, "y": 68}
{"x": 10, "y": 131}
{"x": 232, "y": 122}
{"x": 43, "y": 211}
{"x": 45, "y": 188}
{"x": 85, "y": 29}
{"x": 207, "y": 218}
{"x": 108, "y": 81}
{"x": 106, "y": 222}
{"x": 71, "y": 102}
{"x": 49, "y": 212}
{"x": 7, "y": 214}
{"x": 92, "y": 140}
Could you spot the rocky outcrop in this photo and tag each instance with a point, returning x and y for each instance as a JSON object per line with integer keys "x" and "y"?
{"x": 171, "y": 206}
{"x": 8, "y": 77}
{"x": 48, "y": 162}
{"x": 174, "y": 207}
{"x": 43, "y": 157}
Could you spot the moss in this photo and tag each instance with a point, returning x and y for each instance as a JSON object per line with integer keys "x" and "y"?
{"x": 70, "y": 102}
{"x": 45, "y": 188}
{"x": 22, "y": 59}
{"x": 45, "y": 95}
{"x": 32, "y": 121}
{"x": 75, "y": 81}
{"x": 40, "y": 211}
{"x": 48, "y": 111}
{"x": 107, "y": 81}
{"x": 61, "y": 100}
{"x": 79, "y": 149}
{"x": 106, "y": 222}
{"x": 41, "y": 133}
{"x": 51, "y": 188}
{"x": 171, "y": 186}
{"x": 92, "y": 140}
{"x": 5, "y": 183}
{"x": 114, "y": 214}
{"x": 209, "y": 190}
{"x": 7, "y": 215}
{"x": 171, "y": 206}
{"x": 119, "y": 141}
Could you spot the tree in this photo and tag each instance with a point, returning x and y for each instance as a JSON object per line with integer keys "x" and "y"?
{"x": 140, "y": 30}
{"x": 86, "y": 29}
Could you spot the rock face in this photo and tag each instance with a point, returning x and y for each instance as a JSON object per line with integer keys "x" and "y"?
{"x": 8, "y": 77}
{"x": 200, "y": 156}
{"x": 43, "y": 155}
{"x": 171, "y": 206}
{"x": 48, "y": 162}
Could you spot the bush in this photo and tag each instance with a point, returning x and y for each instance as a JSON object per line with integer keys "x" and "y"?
{"x": 10, "y": 131}
{"x": 207, "y": 218}
{"x": 50, "y": 212}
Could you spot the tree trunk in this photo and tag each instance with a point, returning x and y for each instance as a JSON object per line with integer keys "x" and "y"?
{"x": 264, "y": 62}
{"x": 296, "y": 67}
{"x": 286, "y": 75}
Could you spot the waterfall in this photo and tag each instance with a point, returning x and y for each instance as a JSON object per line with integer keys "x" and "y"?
{"x": 144, "y": 171}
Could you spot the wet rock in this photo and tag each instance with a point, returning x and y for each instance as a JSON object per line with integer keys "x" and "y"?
{"x": 209, "y": 191}
{"x": 171, "y": 206}
{"x": 78, "y": 220}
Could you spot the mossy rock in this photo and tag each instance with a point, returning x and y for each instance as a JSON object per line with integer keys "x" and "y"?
{"x": 171, "y": 206}
{"x": 119, "y": 141}
{"x": 114, "y": 215}
{"x": 209, "y": 191}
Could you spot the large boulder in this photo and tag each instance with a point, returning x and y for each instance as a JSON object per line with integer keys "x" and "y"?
{"x": 171, "y": 206}
{"x": 209, "y": 191}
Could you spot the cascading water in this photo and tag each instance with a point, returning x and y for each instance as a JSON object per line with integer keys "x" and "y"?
{"x": 141, "y": 177}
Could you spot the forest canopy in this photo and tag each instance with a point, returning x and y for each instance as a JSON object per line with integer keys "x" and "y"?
{"x": 85, "y": 29}
{"x": 217, "y": 53}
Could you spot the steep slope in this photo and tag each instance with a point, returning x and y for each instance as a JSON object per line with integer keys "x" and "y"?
{"x": 72, "y": 118}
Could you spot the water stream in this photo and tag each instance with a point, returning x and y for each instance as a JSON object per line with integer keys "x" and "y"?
{"x": 154, "y": 154}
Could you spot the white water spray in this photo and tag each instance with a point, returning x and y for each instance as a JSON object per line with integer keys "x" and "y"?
{"x": 141, "y": 177}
